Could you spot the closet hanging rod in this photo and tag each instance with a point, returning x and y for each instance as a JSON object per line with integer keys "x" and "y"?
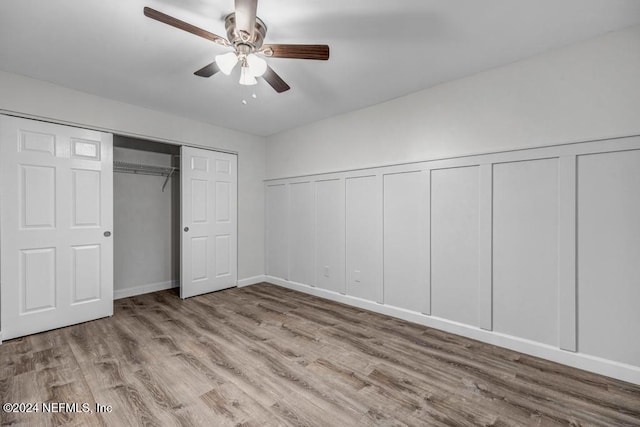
{"x": 142, "y": 169}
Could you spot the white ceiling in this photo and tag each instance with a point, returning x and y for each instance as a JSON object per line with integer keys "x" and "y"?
{"x": 379, "y": 50}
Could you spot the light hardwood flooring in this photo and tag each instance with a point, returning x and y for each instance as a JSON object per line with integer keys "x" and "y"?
{"x": 263, "y": 355}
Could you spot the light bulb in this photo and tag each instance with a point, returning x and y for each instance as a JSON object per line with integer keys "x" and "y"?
{"x": 246, "y": 78}
{"x": 257, "y": 65}
{"x": 226, "y": 62}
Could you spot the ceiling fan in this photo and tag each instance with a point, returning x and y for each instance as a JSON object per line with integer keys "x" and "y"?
{"x": 245, "y": 34}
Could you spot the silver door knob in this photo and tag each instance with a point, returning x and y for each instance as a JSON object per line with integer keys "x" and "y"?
{"x": 186, "y": 229}
{"x": 107, "y": 233}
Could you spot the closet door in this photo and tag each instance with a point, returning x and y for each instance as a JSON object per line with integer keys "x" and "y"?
{"x": 56, "y": 217}
{"x": 209, "y": 221}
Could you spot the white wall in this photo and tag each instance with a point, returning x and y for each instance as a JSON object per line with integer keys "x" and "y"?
{"x": 501, "y": 247}
{"x": 582, "y": 92}
{"x": 535, "y": 249}
{"x": 55, "y": 103}
{"x": 145, "y": 224}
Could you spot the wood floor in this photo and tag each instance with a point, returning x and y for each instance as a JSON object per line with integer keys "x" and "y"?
{"x": 263, "y": 355}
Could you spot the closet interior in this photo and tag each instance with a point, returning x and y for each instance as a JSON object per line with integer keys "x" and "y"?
{"x": 146, "y": 205}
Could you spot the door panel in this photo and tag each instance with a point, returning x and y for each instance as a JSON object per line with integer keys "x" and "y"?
{"x": 85, "y": 198}
{"x": 86, "y": 273}
{"x": 38, "y": 196}
{"x": 56, "y": 205}
{"x": 209, "y": 224}
{"x": 37, "y": 280}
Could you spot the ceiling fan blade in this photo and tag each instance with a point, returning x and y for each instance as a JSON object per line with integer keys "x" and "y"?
{"x": 275, "y": 80}
{"x": 297, "y": 51}
{"x": 185, "y": 26}
{"x": 246, "y": 11}
{"x": 207, "y": 70}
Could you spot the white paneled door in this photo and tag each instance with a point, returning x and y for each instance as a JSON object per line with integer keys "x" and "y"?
{"x": 209, "y": 221}
{"x": 57, "y": 217}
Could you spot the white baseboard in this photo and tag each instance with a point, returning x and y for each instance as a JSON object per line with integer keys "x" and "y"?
{"x": 144, "y": 289}
{"x": 594, "y": 364}
{"x": 251, "y": 280}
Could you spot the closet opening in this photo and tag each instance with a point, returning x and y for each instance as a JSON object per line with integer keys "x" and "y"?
{"x": 146, "y": 216}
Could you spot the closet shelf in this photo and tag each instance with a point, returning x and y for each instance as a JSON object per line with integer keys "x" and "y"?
{"x": 142, "y": 169}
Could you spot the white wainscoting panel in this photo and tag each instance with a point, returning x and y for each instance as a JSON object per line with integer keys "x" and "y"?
{"x": 406, "y": 257}
{"x": 609, "y": 256}
{"x": 454, "y": 244}
{"x": 364, "y": 237}
{"x": 485, "y": 247}
{"x": 301, "y": 231}
{"x": 567, "y": 254}
{"x": 537, "y": 250}
{"x": 525, "y": 249}
{"x": 330, "y": 235}
{"x": 277, "y": 248}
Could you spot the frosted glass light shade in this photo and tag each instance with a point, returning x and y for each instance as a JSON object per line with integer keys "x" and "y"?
{"x": 257, "y": 65}
{"x": 246, "y": 77}
{"x": 226, "y": 62}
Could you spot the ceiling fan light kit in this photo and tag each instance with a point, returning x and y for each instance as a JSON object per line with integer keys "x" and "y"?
{"x": 226, "y": 62}
{"x": 245, "y": 34}
{"x": 246, "y": 78}
{"x": 257, "y": 65}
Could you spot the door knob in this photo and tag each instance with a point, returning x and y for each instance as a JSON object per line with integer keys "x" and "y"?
{"x": 186, "y": 229}
{"x": 107, "y": 233}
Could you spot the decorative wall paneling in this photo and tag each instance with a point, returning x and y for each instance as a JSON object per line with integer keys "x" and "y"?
{"x": 330, "y": 235}
{"x": 525, "y": 249}
{"x": 406, "y": 240}
{"x": 276, "y": 213}
{"x": 302, "y": 235}
{"x": 534, "y": 250}
{"x": 363, "y": 237}
{"x": 609, "y": 255}
{"x": 455, "y": 228}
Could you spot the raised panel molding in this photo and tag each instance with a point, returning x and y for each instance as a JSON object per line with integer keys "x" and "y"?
{"x": 38, "y": 281}
{"x": 199, "y": 164}
{"x": 222, "y": 201}
{"x": 199, "y": 249}
{"x": 222, "y": 256}
{"x": 222, "y": 166}
{"x": 85, "y": 273}
{"x": 199, "y": 201}
{"x": 85, "y": 198}
{"x": 37, "y": 197}
{"x": 37, "y": 142}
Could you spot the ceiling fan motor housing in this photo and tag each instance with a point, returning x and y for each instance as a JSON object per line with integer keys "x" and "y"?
{"x": 240, "y": 39}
